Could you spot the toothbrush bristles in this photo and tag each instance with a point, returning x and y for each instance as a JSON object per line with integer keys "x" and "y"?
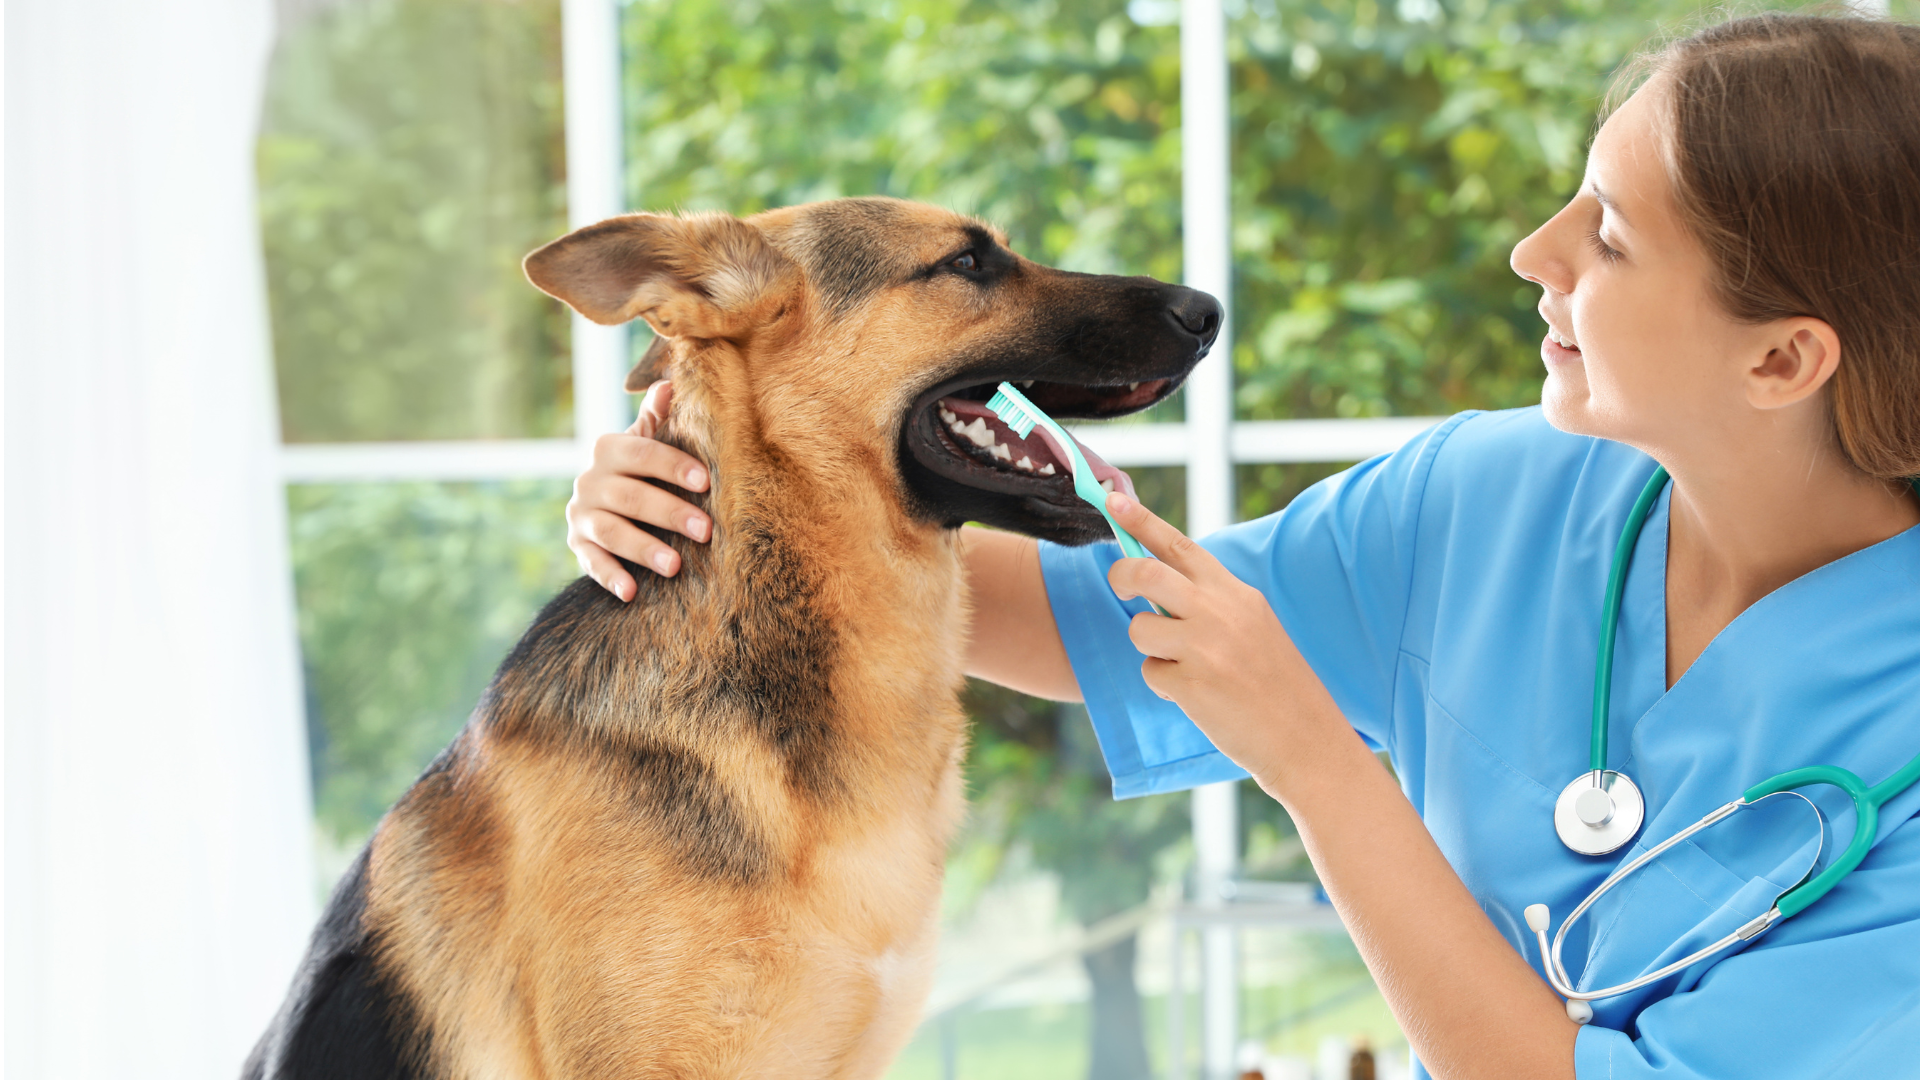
{"x": 1011, "y": 413}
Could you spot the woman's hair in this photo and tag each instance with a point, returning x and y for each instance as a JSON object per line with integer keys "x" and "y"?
{"x": 1794, "y": 150}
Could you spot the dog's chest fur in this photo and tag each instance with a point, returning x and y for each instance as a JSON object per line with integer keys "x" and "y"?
{"x": 694, "y": 829}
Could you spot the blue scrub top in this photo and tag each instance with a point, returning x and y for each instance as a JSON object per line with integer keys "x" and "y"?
{"x": 1449, "y": 595}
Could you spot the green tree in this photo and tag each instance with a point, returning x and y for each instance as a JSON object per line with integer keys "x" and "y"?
{"x": 1037, "y": 781}
{"x": 1385, "y": 162}
{"x": 409, "y": 596}
{"x": 410, "y": 153}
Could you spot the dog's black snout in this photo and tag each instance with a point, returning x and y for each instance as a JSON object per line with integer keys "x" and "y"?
{"x": 1196, "y": 313}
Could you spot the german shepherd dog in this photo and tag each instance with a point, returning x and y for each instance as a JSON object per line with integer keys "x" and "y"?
{"x": 702, "y": 834}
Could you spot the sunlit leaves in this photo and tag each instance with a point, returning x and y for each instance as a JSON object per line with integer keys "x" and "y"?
{"x": 409, "y": 595}
{"x": 410, "y": 153}
{"x": 1385, "y": 162}
{"x": 1056, "y": 120}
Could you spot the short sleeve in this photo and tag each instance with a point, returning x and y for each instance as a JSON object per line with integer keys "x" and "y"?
{"x": 1337, "y": 564}
{"x": 1833, "y": 992}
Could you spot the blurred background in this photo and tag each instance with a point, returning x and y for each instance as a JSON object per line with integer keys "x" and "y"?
{"x": 426, "y": 407}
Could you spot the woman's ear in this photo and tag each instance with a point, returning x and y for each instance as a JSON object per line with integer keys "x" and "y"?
{"x": 1802, "y": 354}
{"x": 702, "y": 276}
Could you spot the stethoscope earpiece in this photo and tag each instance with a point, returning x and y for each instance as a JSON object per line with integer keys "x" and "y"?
{"x": 1539, "y": 919}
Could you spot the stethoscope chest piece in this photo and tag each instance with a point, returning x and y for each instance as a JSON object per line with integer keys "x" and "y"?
{"x": 1596, "y": 818}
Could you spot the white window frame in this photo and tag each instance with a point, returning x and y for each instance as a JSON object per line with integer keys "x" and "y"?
{"x": 1208, "y": 444}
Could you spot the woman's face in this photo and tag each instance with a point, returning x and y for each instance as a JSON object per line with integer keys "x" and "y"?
{"x": 1637, "y": 350}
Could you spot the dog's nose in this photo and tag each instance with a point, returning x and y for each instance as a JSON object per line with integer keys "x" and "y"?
{"x": 1196, "y": 313}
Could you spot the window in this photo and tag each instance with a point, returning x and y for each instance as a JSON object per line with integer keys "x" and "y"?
{"x": 411, "y": 151}
{"x": 1372, "y": 163}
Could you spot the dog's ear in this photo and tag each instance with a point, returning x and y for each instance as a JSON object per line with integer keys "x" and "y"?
{"x": 651, "y": 368}
{"x": 701, "y": 276}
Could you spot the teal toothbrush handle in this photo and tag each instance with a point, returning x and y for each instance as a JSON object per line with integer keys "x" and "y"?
{"x": 1084, "y": 485}
{"x": 1132, "y": 549}
{"x": 1128, "y": 544}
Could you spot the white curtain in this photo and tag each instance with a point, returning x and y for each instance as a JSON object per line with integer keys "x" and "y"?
{"x": 158, "y": 873}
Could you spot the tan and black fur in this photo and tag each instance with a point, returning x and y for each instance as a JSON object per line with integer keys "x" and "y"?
{"x": 701, "y": 834}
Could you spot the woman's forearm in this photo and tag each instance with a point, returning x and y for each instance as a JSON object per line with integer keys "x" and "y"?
{"x": 1013, "y": 639}
{"x": 1469, "y": 1004}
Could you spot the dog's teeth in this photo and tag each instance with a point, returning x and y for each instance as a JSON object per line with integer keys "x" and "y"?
{"x": 978, "y": 432}
{"x": 1001, "y": 451}
{"x": 1047, "y": 469}
{"x": 957, "y": 427}
{"x": 1027, "y": 384}
{"x": 1132, "y": 386}
{"x": 1107, "y": 485}
{"x": 947, "y": 417}
{"x": 1024, "y": 463}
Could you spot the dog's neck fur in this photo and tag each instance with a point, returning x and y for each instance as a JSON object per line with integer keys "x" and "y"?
{"x": 816, "y": 590}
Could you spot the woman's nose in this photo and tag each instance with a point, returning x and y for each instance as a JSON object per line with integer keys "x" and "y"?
{"x": 1542, "y": 260}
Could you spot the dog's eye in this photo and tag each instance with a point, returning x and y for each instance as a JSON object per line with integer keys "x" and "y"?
{"x": 965, "y": 262}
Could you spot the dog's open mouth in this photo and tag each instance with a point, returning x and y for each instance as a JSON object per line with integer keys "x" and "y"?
{"x": 981, "y": 449}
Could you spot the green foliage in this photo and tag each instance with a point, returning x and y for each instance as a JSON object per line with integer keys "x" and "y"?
{"x": 1266, "y": 488}
{"x": 1386, "y": 159}
{"x": 410, "y": 153}
{"x": 409, "y": 595}
{"x": 1056, "y": 119}
{"x": 1036, "y": 779}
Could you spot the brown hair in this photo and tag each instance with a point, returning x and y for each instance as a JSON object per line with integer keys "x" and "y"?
{"x": 1794, "y": 148}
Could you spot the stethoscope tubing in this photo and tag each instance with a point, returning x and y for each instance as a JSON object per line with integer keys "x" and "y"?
{"x": 1795, "y": 899}
{"x": 1550, "y": 953}
{"x": 1610, "y": 617}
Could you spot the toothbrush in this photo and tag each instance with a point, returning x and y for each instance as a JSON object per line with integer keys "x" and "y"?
{"x": 1014, "y": 410}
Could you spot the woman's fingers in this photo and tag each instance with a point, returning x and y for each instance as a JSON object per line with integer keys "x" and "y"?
{"x": 634, "y": 452}
{"x": 615, "y": 493}
{"x": 653, "y": 409}
{"x": 1156, "y": 581}
{"x": 597, "y": 564}
{"x": 1168, "y": 544}
{"x": 615, "y": 535}
{"x": 1156, "y": 635}
{"x": 1173, "y": 580}
{"x": 639, "y": 500}
{"x": 1160, "y": 676}
{"x": 640, "y": 455}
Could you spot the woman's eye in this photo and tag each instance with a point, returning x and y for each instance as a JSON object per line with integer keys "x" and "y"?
{"x": 1602, "y": 248}
{"x": 965, "y": 262}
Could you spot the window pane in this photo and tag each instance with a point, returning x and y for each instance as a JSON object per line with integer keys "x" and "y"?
{"x": 1057, "y": 121}
{"x": 1260, "y": 490}
{"x": 410, "y": 154}
{"x": 409, "y": 597}
{"x": 1386, "y": 158}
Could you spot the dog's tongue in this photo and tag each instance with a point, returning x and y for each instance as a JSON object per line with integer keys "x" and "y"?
{"x": 1038, "y": 447}
{"x": 1101, "y": 470}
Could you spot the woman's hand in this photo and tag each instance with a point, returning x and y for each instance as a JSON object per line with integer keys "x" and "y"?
{"x": 1220, "y": 652}
{"x": 614, "y": 493}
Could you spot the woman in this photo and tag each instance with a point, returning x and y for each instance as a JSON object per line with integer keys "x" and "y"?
{"x": 1733, "y": 295}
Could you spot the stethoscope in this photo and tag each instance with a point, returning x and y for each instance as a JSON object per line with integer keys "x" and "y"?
{"x": 1601, "y": 809}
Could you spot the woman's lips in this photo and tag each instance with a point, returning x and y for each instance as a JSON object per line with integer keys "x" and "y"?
{"x": 1552, "y": 352}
